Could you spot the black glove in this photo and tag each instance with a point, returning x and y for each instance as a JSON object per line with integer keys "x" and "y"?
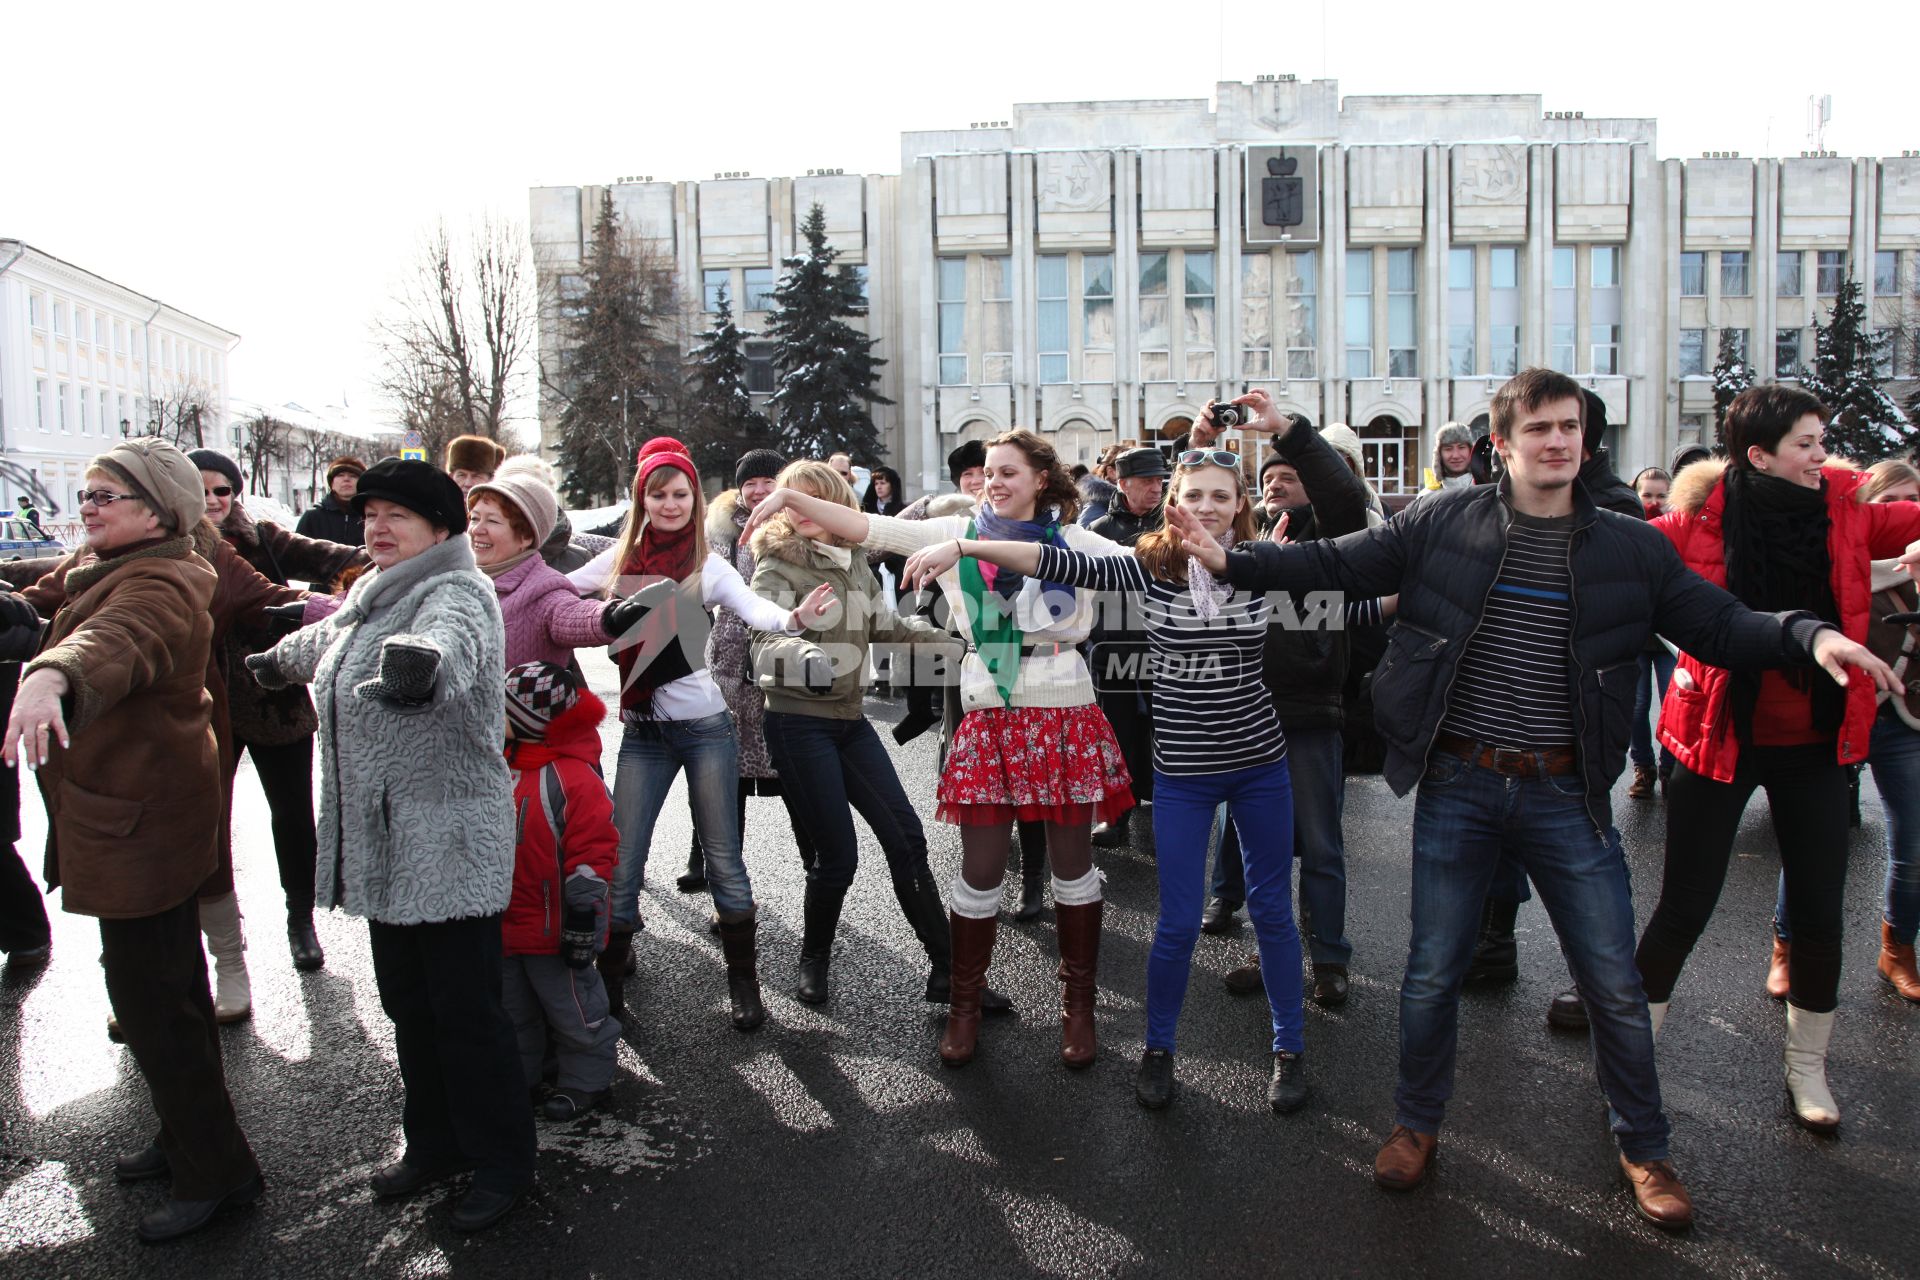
{"x": 266, "y": 670}
{"x": 816, "y": 672}
{"x": 622, "y": 616}
{"x": 579, "y": 936}
{"x": 285, "y": 618}
{"x": 407, "y": 672}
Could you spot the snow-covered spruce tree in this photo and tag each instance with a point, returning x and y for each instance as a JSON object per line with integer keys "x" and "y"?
{"x": 826, "y": 367}
{"x": 1731, "y": 375}
{"x": 608, "y": 324}
{"x": 1866, "y": 424}
{"x": 728, "y": 423}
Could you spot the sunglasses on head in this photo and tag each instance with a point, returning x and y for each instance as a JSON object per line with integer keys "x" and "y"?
{"x": 1209, "y": 457}
{"x": 220, "y": 491}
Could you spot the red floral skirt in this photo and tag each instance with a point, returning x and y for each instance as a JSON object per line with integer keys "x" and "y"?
{"x": 1046, "y": 764}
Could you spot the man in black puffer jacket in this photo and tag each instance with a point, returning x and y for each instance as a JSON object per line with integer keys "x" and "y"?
{"x": 1505, "y": 695}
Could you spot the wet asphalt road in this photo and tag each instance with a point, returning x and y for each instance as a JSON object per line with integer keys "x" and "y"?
{"x": 833, "y": 1141}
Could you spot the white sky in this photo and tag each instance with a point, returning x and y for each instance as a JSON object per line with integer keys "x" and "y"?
{"x": 272, "y": 173}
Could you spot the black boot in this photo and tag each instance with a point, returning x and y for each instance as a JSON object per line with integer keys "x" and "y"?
{"x": 1033, "y": 870}
{"x": 821, "y": 919}
{"x": 696, "y": 878}
{"x": 743, "y": 980}
{"x": 1496, "y": 957}
{"x": 920, "y": 904}
{"x": 923, "y": 712}
{"x": 612, "y": 964}
{"x": 304, "y": 942}
{"x": 1113, "y": 835}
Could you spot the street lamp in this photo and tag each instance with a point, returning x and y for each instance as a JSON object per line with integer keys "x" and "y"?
{"x": 124, "y": 425}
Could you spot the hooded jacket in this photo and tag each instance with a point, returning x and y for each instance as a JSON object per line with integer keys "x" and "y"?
{"x": 1696, "y": 720}
{"x": 542, "y": 863}
{"x": 1443, "y": 556}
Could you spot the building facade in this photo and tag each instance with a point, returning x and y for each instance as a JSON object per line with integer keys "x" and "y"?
{"x": 1099, "y": 270}
{"x": 84, "y": 360}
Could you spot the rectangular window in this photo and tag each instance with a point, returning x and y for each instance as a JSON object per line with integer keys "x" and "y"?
{"x": 1156, "y": 339}
{"x": 1603, "y": 309}
{"x": 1693, "y": 353}
{"x": 1605, "y": 339}
{"x": 1198, "y": 332}
{"x": 59, "y": 319}
{"x": 1886, "y": 273}
{"x": 715, "y": 282}
{"x": 859, "y": 272}
{"x": 1503, "y": 311}
{"x": 1301, "y": 332}
{"x": 1359, "y": 313}
{"x": 996, "y": 319}
{"x": 1460, "y": 319}
{"x": 79, "y": 324}
{"x": 1883, "y": 344}
{"x": 1256, "y": 315}
{"x": 63, "y": 393}
{"x": 1742, "y": 342}
{"x": 1786, "y": 270}
{"x": 99, "y": 331}
{"x": 119, "y": 338}
{"x": 757, "y": 286}
{"x": 760, "y": 367}
{"x": 1403, "y": 342}
{"x": 86, "y": 410}
{"x": 110, "y": 412}
{"x": 1786, "y": 353}
{"x": 1564, "y": 328}
{"x": 1693, "y": 274}
{"x": 953, "y": 322}
{"x": 1830, "y": 268}
{"x": 1051, "y": 306}
{"x": 37, "y": 310}
{"x": 1096, "y": 317}
{"x": 40, "y": 403}
{"x": 1735, "y": 273}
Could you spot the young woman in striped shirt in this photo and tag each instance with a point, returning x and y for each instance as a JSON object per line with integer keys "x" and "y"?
{"x": 1216, "y": 740}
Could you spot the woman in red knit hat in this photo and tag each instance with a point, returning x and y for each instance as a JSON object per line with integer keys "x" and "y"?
{"x": 674, "y": 713}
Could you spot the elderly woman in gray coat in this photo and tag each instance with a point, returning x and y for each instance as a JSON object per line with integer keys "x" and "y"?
{"x": 417, "y": 827}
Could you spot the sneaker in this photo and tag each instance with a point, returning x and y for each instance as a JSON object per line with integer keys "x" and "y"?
{"x": 1288, "y": 1089}
{"x": 1153, "y": 1082}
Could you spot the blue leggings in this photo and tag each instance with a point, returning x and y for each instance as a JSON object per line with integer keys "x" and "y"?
{"x": 1183, "y": 805}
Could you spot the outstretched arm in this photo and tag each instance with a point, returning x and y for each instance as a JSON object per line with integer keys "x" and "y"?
{"x": 841, "y": 522}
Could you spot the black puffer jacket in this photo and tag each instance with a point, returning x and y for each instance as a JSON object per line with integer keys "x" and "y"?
{"x": 1118, "y": 651}
{"x": 330, "y": 520}
{"x": 1443, "y": 557}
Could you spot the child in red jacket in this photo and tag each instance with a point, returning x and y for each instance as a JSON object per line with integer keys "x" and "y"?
{"x": 562, "y": 870}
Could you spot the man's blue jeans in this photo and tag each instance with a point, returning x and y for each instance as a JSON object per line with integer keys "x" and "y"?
{"x": 1319, "y": 799}
{"x": 1261, "y": 798}
{"x": 651, "y": 755}
{"x": 1464, "y": 818}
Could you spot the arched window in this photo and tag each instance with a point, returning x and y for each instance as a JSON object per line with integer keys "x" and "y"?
{"x": 1076, "y": 441}
{"x": 1174, "y": 428}
{"x": 1391, "y": 453}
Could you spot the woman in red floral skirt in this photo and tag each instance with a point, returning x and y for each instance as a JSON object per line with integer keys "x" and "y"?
{"x": 1032, "y": 744}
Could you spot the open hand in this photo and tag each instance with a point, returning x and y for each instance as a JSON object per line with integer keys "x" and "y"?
{"x": 1279, "y": 531}
{"x": 1197, "y": 542}
{"x": 1266, "y": 414}
{"x": 928, "y": 563}
{"x": 812, "y": 611}
{"x": 1834, "y": 652}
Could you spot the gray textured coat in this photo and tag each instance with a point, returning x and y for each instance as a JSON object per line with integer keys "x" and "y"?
{"x": 416, "y": 805}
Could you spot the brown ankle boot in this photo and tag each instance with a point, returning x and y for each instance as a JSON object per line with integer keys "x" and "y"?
{"x": 1079, "y": 930}
{"x": 1897, "y": 965}
{"x": 972, "y": 953}
{"x": 1643, "y": 782}
{"x": 1777, "y": 980}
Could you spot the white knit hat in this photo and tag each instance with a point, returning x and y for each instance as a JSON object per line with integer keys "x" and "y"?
{"x": 1343, "y": 438}
{"x": 527, "y": 483}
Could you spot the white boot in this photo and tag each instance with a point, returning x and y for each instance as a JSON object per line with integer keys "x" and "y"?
{"x": 232, "y": 993}
{"x": 1657, "y": 1014}
{"x": 1807, "y": 1037}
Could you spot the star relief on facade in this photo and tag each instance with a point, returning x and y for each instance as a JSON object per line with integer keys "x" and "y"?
{"x": 1073, "y": 181}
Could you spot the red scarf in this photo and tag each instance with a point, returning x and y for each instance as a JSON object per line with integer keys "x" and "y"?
{"x": 655, "y": 555}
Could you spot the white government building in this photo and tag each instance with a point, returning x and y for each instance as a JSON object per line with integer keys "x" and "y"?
{"x": 82, "y": 360}
{"x": 1098, "y": 270}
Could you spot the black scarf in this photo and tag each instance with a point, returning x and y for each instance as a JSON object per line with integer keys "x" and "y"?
{"x": 1775, "y": 537}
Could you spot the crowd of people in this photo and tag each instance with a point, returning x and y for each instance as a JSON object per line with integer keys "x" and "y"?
{"x": 1154, "y": 634}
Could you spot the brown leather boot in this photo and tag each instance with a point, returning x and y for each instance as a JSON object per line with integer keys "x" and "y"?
{"x": 972, "y": 953}
{"x": 1079, "y": 930}
{"x": 1777, "y": 981}
{"x": 1897, "y": 965}
{"x": 1643, "y": 781}
{"x": 1657, "y": 1194}
{"x": 1404, "y": 1161}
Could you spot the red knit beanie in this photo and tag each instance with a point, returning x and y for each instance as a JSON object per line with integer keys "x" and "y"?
{"x": 664, "y": 451}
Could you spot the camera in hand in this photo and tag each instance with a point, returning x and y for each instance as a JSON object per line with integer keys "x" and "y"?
{"x": 1229, "y": 415}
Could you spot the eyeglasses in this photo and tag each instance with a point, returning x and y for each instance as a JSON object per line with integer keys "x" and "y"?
{"x": 220, "y": 491}
{"x": 1209, "y": 457}
{"x": 102, "y": 497}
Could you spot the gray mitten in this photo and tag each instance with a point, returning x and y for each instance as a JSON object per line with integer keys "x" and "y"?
{"x": 266, "y": 670}
{"x": 407, "y": 671}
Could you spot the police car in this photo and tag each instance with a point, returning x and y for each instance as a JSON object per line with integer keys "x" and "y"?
{"x": 19, "y": 540}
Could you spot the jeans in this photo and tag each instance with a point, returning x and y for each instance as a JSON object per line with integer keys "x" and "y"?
{"x": 1894, "y": 757}
{"x": 652, "y": 753}
{"x": 1653, "y": 667}
{"x": 1261, "y": 802}
{"x": 1319, "y": 796}
{"x": 1464, "y": 818}
{"x": 1807, "y": 793}
{"x": 832, "y": 769}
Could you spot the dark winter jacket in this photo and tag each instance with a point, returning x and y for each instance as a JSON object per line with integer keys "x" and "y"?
{"x": 1121, "y": 525}
{"x": 19, "y": 640}
{"x": 566, "y": 550}
{"x": 1443, "y": 558}
{"x": 1119, "y": 644}
{"x": 1305, "y": 670}
{"x": 543, "y": 865}
{"x": 1696, "y": 722}
{"x": 331, "y": 520}
{"x": 1097, "y": 497}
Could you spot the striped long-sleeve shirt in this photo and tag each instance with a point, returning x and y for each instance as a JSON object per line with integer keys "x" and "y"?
{"x": 1211, "y": 710}
{"x": 1512, "y": 688}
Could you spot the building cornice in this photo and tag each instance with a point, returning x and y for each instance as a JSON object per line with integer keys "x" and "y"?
{"x": 59, "y": 271}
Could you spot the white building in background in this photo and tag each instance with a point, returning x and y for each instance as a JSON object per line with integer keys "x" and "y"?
{"x": 82, "y": 361}
{"x": 296, "y": 472}
{"x": 1098, "y": 270}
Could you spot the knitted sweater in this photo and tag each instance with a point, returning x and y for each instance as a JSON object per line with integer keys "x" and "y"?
{"x": 546, "y": 620}
{"x": 1058, "y": 679}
